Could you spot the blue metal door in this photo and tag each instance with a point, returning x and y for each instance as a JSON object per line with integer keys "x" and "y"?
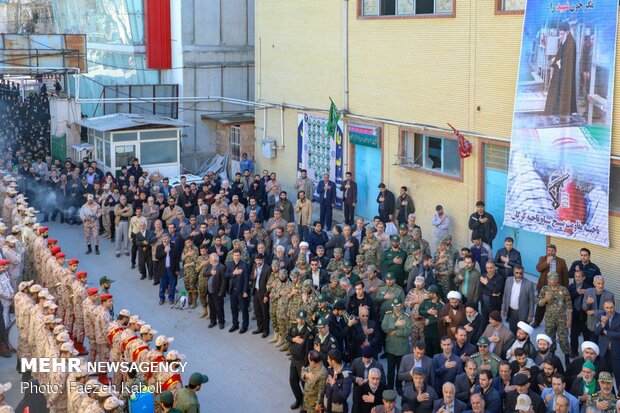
{"x": 368, "y": 177}
{"x": 530, "y": 245}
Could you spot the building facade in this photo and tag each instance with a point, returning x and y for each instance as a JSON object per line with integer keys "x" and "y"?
{"x": 404, "y": 70}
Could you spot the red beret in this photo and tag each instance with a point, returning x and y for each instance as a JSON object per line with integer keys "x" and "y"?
{"x": 105, "y": 297}
{"x": 55, "y": 250}
{"x": 60, "y": 255}
{"x": 51, "y": 241}
{"x": 43, "y": 229}
{"x": 4, "y": 262}
{"x": 81, "y": 274}
{"x": 73, "y": 261}
{"x": 92, "y": 291}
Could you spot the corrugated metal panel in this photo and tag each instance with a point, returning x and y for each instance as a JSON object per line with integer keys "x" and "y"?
{"x": 158, "y": 34}
{"x": 44, "y": 50}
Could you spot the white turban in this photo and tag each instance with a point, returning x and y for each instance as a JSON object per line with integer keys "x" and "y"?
{"x": 454, "y": 294}
{"x": 544, "y": 337}
{"x": 525, "y": 327}
{"x": 589, "y": 344}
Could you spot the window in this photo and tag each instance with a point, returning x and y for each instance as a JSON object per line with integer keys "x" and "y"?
{"x": 235, "y": 143}
{"x": 510, "y": 5}
{"x": 158, "y": 152}
{"x": 406, "y": 7}
{"x": 431, "y": 153}
{"x": 614, "y": 189}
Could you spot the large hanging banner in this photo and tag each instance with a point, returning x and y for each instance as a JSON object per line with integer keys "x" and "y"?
{"x": 558, "y": 177}
{"x": 318, "y": 153}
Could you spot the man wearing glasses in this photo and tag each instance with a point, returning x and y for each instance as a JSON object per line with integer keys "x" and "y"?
{"x": 518, "y": 300}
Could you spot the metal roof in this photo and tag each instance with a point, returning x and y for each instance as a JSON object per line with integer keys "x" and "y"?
{"x": 121, "y": 121}
{"x": 230, "y": 118}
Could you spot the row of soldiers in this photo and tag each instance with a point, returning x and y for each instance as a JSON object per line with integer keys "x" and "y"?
{"x": 55, "y": 312}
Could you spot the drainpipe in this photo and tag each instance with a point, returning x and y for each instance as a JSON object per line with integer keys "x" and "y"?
{"x": 345, "y": 43}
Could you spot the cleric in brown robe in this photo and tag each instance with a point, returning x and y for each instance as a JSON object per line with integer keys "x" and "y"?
{"x": 451, "y": 315}
{"x": 562, "y": 94}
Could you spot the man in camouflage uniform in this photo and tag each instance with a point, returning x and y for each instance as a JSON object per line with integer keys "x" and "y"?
{"x": 284, "y": 292}
{"x": 273, "y": 289}
{"x": 261, "y": 234}
{"x": 413, "y": 300}
{"x": 386, "y": 294}
{"x": 295, "y": 300}
{"x": 238, "y": 245}
{"x": 88, "y": 312}
{"x": 444, "y": 266}
{"x": 313, "y": 376}
{"x": 603, "y": 400}
{"x": 309, "y": 299}
{"x": 333, "y": 290}
{"x": 406, "y": 240}
{"x": 65, "y": 277}
{"x": 157, "y": 355}
{"x": 89, "y": 214}
{"x": 418, "y": 241}
{"x": 360, "y": 265}
{"x": 23, "y": 303}
{"x": 102, "y": 322}
{"x": 336, "y": 263}
{"x": 558, "y": 313}
{"x": 203, "y": 282}
{"x": 57, "y": 399}
{"x": 171, "y": 380}
{"x": 78, "y": 289}
{"x": 371, "y": 248}
{"x": 484, "y": 358}
{"x": 189, "y": 257}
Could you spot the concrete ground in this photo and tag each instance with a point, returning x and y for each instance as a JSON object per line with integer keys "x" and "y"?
{"x": 244, "y": 370}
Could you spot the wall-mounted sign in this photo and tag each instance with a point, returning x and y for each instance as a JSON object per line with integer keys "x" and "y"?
{"x": 365, "y": 135}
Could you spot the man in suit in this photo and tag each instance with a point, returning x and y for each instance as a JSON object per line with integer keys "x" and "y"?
{"x": 350, "y": 245}
{"x": 522, "y": 384}
{"x": 500, "y": 337}
{"x": 579, "y": 326}
{"x": 593, "y": 300}
{"x": 387, "y": 203}
{"x": 507, "y": 258}
{"x": 417, "y": 359}
{"x": 237, "y": 273}
{"x": 360, "y": 370}
{"x": 466, "y": 381}
{"x": 519, "y": 300}
{"x": 258, "y": 278}
{"x": 238, "y": 227}
{"x": 216, "y": 290}
{"x": 318, "y": 275}
{"x": 144, "y": 238}
{"x": 446, "y": 364}
{"x": 549, "y": 262}
{"x": 349, "y": 198}
{"x": 449, "y": 403}
{"x": 327, "y": 200}
{"x": 168, "y": 269}
{"x": 607, "y": 329}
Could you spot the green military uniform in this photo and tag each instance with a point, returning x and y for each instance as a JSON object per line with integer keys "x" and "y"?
{"x": 187, "y": 401}
{"x": 388, "y": 264}
{"x": 397, "y": 344}
{"x": 245, "y": 257}
{"x": 334, "y": 292}
{"x": 262, "y": 235}
{"x": 309, "y": 299}
{"x": 201, "y": 263}
{"x": 431, "y": 329}
{"x": 490, "y": 359}
{"x": 371, "y": 250}
{"x": 384, "y": 304}
{"x": 282, "y": 313}
{"x": 324, "y": 343}
{"x": 420, "y": 243}
{"x": 556, "y": 313}
{"x": 353, "y": 277}
{"x": 406, "y": 240}
{"x": 597, "y": 397}
{"x": 444, "y": 271}
{"x": 274, "y": 302}
{"x": 321, "y": 312}
{"x": 336, "y": 264}
{"x": 313, "y": 388}
{"x": 190, "y": 273}
{"x": 413, "y": 259}
{"x": 295, "y": 302}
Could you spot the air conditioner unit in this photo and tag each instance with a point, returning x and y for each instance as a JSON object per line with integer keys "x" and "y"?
{"x": 269, "y": 148}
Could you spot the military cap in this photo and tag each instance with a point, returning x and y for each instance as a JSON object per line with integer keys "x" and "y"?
{"x": 73, "y": 261}
{"x": 112, "y": 403}
{"x": 402, "y": 227}
{"x": 105, "y": 280}
{"x": 552, "y": 276}
{"x": 483, "y": 341}
{"x": 359, "y": 258}
{"x": 68, "y": 348}
{"x": 322, "y": 322}
{"x": 396, "y": 302}
{"x": 301, "y": 314}
{"x": 306, "y": 283}
{"x": 25, "y": 285}
{"x": 166, "y": 397}
{"x": 198, "y": 378}
{"x": 334, "y": 277}
{"x": 161, "y": 340}
{"x": 92, "y": 291}
{"x": 125, "y": 312}
{"x": 433, "y": 289}
{"x": 36, "y": 288}
{"x": 389, "y": 395}
{"x": 417, "y": 231}
{"x": 390, "y": 276}
{"x": 520, "y": 380}
{"x": 81, "y": 274}
{"x": 347, "y": 264}
{"x": 339, "y": 305}
{"x": 105, "y": 297}
{"x": 338, "y": 250}
{"x": 62, "y": 337}
{"x": 605, "y": 376}
{"x": 323, "y": 298}
{"x": 394, "y": 238}
{"x": 51, "y": 241}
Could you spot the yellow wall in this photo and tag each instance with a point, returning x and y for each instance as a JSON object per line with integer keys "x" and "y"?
{"x": 430, "y": 71}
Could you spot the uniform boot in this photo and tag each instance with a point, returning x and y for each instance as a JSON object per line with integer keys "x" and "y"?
{"x": 279, "y": 342}
{"x": 285, "y": 347}
{"x": 104, "y": 379}
{"x": 274, "y": 339}
{"x": 205, "y": 312}
{"x": 193, "y": 300}
{"x": 79, "y": 346}
{"x": 96, "y": 249}
{"x": 89, "y": 249}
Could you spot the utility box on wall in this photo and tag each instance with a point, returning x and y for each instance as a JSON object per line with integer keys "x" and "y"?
{"x": 269, "y": 148}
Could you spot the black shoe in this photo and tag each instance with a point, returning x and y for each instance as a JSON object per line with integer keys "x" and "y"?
{"x": 233, "y": 328}
{"x": 222, "y": 326}
{"x": 142, "y": 277}
{"x": 150, "y": 277}
{"x": 133, "y": 266}
{"x": 295, "y": 405}
{"x": 265, "y": 334}
{"x": 89, "y": 250}
{"x": 171, "y": 301}
{"x": 257, "y": 331}
{"x": 6, "y": 355}
{"x": 155, "y": 282}
{"x": 96, "y": 250}
{"x": 112, "y": 240}
{"x": 127, "y": 254}
{"x": 161, "y": 302}
{"x": 243, "y": 330}
{"x": 118, "y": 255}
{"x": 211, "y": 325}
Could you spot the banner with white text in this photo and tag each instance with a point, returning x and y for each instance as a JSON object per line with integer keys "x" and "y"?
{"x": 558, "y": 176}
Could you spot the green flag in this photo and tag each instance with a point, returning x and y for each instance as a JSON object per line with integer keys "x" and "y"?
{"x": 334, "y": 117}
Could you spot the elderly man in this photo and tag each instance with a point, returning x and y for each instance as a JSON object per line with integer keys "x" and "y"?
{"x": 451, "y": 315}
{"x": 449, "y": 403}
{"x": 589, "y": 352}
{"x": 593, "y": 299}
{"x": 607, "y": 329}
{"x": 604, "y": 400}
{"x": 89, "y": 214}
{"x": 586, "y": 384}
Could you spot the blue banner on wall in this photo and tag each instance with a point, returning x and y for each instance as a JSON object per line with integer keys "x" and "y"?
{"x": 558, "y": 177}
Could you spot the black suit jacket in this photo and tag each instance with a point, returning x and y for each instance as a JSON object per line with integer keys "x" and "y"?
{"x": 220, "y": 284}
{"x": 238, "y": 284}
{"x": 463, "y": 387}
{"x": 351, "y": 197}
{"x": 459, "y": 406}
{"x": 149, "y": 236}
{"x": 323, "y": 277}
{"x": 160, "y": 254}
{"x": 264, "y": 277}
{"x": 359, "y": 405}
{"x": 538, "y": 405}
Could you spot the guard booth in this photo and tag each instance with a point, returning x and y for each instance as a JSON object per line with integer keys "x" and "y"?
{"x": 118, "y": 138}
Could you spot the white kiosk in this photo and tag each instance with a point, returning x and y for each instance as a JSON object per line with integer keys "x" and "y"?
{"x": 118, "y": 138}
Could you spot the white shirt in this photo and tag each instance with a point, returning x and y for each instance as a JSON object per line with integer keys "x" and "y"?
{"x": 514, "y": 294}
{"x": 258, "y": 271}
{"x": 316, "y": 278}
